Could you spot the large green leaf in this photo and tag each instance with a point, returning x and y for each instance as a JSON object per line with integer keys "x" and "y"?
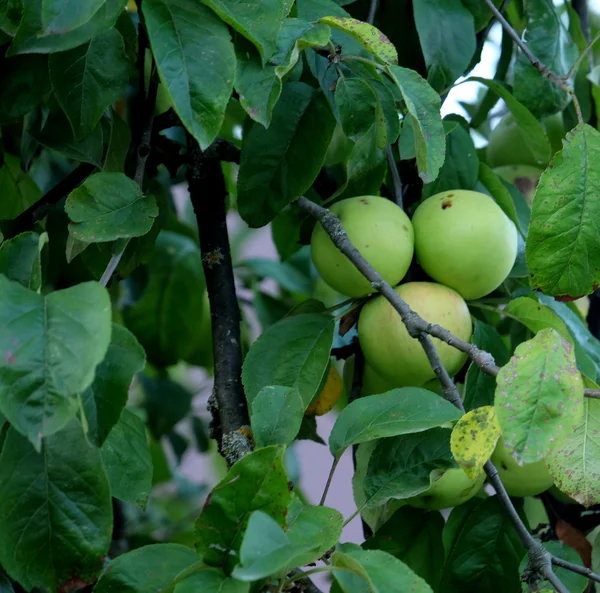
{"x": 292, "y": 353}
{"x": 256, "y": 482}
{"x": 479, "y": 386}
{"x": 483, "y": 550}
{"x": 423, "y": 105}
{"x": 165, "y": 320}
{"x": 19, "y": 190}
{"x": 260, "y": 86}
{"x": 562, "y": 246}
{"x": 89, "y": 78}
{"x": 126, "y": 458}
{"x": 575, "y": 464}
{"x": 400, "y": 411}
{"x": 20, "y": 259}
{"x": 257, "y": 20}
{"x": 447, "y": 48}
{"x": 55, "y": 510}
{"x": 266, "y": 549}
{"x": 49, "y": 349}
{"x": 548, "y": 38}
{"x": 279, "y": 164}
{"x": 146, "y": 570}
{"x": 196, "y": 62}
{"x": 539, "y": 396}
{"x": 407, "y": 465}
{"x": 211, "y": 580}
{"x": 31, "y": 37}
{"x": 356, "y": 103}
{"x": 104, "y": 400}
{"x": 109, "y": 206}
{"x": 374, "y": 572}
{"x": 415, "y": 537}
{"x": 118, "y": 145}
{"x": 61, "y": 16}
{"x": 277, "y": 414}
{"x": 11, "y": 12}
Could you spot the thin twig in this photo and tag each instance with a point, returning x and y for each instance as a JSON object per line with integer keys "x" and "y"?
{"x": 582, "y": 55}
{"x": 582, "y": 570}
{"x": 539, "y": 557}
{"x": 334, "y": 465}
{"x": 396, "y": 181}
{"x": 208, "y": 195}
{"x": 582, "y": 9}
{"x": 372, "y": 11}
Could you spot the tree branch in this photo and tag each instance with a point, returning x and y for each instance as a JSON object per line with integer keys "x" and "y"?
{"x": 582, "y": 570}
{"x": 540, "y": 560}
{"x": 208, "y": 194}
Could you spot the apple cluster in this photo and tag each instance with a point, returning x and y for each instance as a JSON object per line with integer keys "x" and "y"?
{"x": 467, "y": 246}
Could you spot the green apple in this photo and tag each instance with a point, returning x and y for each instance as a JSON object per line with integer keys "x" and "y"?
{"x": 464, "y": 240}
{"x": 453, "y": 488}
{"x": 524, "y": 177}
{"x": 520, "y": 480}
{"x": 382, "y": 233}
{"x": 508, "y": 146}
{"x": 389, "y": 349}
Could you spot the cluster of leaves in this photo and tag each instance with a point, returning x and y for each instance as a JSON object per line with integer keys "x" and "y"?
{"x": 316, "y": 100}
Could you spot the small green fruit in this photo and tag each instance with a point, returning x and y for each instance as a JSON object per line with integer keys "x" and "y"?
{"x": 382, "y": 233}
{"x": 452, "y": 489}
{"x": 524, "y": 177}
{"x": 465, "y": 241}
{"x": 389, "y": 349}
{"x": 520, "y": 480}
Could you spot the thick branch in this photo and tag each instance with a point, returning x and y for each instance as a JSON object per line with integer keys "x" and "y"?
{"x": 539, "y": 559}
{"x": 208, "y": 195}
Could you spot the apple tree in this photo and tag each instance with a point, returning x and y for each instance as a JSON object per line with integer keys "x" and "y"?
{"x": 432, "y": 293}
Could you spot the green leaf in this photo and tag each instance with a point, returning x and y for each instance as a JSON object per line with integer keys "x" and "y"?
{"x": 562, "y": 246}
{"x": 165, "y": 320}
{"x": 146, "y": 570}
{"x": 126, "y": 458}
{"x": 285, "y": 274}
{"x": 167, "y": 402}
{"x": 46, "y": 355}
{"x": 11, "y": 12}
{"x": 292, "y": 353}
{"x": 549, "y": 40}
{"x": 533, "y": 132}
{"x": 447, "y": 49}
{"x": 260, "y": 86}
{"x": 20, "y": 259}
{"x": 318, "y": 526}
{"x": 89, "y": 78}
{"x": 479, "y": 386}
{"x": 55, "y": 509}
{"x": 5, "y": 584}
{"x": 423, "y": 104}
{"x": 414, "y": 536}
{"x": 210, "y": 580}
{"x": 535, "y": 316}
{"x": 118, "y": 145}
{"x": 196, "y": 62}
{"x": 383, "y": 572}
{"x": 461, "y": 166}
{"x": 279, "y": 164}
{"x": 277, "y": 414}
{"x": 62, "y": 16}
{"x": 257, "y": 482}
{"x": 474, "y": 439}
{"x": 31, "y": 37}
{"x": 407, "y": 465}
{"x": 107, "y": 207}
{"x": 19, "y": 190}
{"x": 575, "y": 464}
{"x": 371, "y": 38}
{"x": 266, "y": 549}
{"x": 357, "y": 103}
{"x": 258, "y": 21}
{"x": 481, "y": 13}
{"x": 397, "y": 412}
{"x": 485, "y": 553}
{"x": 104, "y": 400}
{"x": 539, "y": 396}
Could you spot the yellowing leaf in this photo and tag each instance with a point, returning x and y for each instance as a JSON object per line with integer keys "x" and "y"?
{"x": 474, "y": 438}
{"x": 329, "y": 395}
{"x": 368, "y": 35}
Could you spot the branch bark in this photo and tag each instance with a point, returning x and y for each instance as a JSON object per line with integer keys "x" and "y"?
{"x": 540, "y": 560}
{"x": 208, "y": 195}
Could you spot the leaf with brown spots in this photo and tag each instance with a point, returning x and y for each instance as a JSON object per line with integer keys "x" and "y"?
{"x": 474, "y": 438}
{"x": 575, "y": 465}
{"x": 563, "y": 249}
{"x": 539, "y": 396}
